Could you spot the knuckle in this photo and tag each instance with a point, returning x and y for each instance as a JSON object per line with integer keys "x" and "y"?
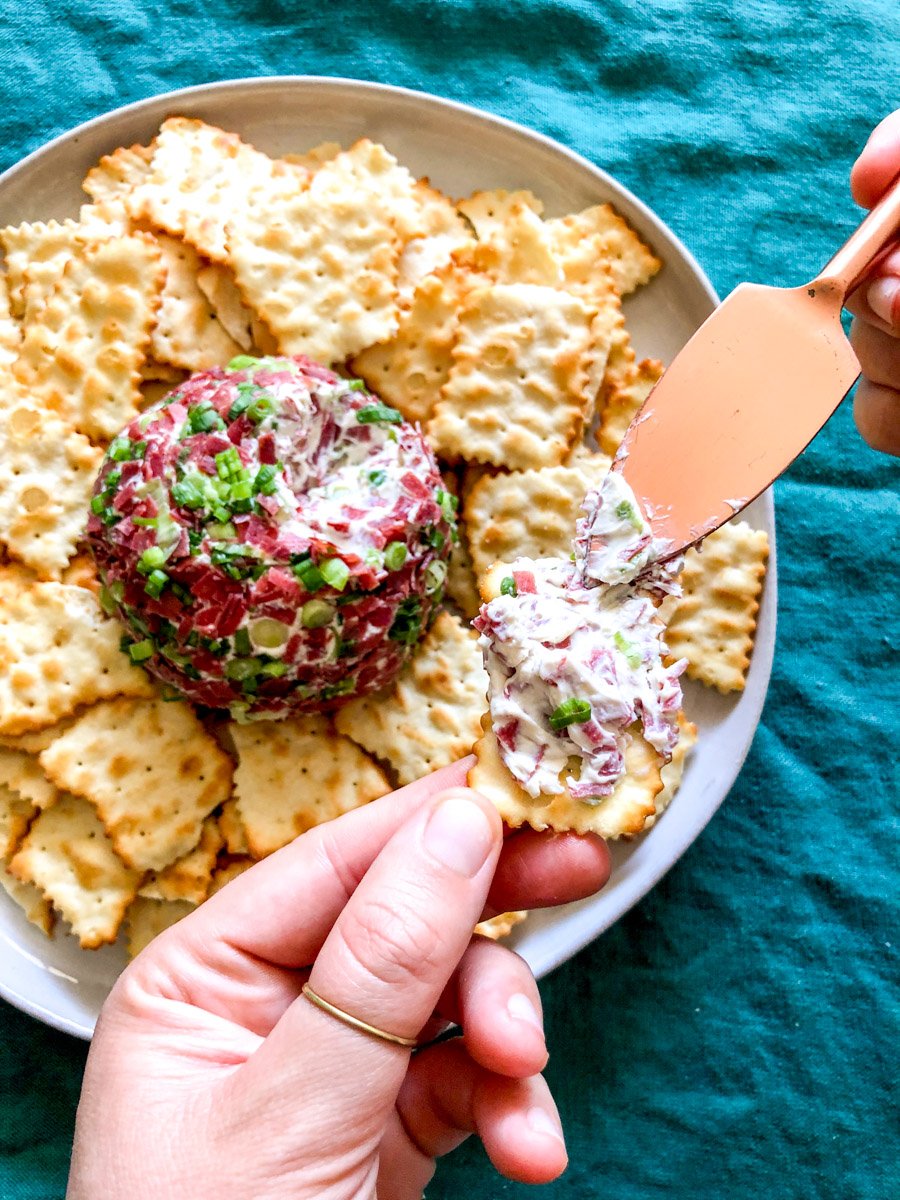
{"x": 393, "y": 944}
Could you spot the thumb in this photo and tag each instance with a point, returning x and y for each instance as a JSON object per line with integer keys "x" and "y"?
{"x": 387, "y": 959}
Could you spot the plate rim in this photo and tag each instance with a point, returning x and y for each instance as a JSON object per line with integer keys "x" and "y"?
{"x": 635, "y": 888}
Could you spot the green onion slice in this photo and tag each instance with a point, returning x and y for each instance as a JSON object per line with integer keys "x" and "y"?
{"x": 570, "y": 712}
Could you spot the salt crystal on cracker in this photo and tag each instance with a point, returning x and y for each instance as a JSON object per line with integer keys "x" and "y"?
{"x": 200, "y": 177}
{"x": 32, "y": 901}
{"x": 151, "y": 770}
{"x": 319, "y": 264}
{"x": 147, "y": 918}
{"x": 431, "y": 715}
{"x": 624, "y": 402}
{"x": 410, "y": 369}
{"x": 189, "y": 877}
{"x": 517, "y": 394}
{"x": 613, "y": 241}
{"x": 47, "y": 475}
{"x": 295, "y": 774}
{"x": 528, "y": 514}
{"x": 624, "y": 811}
{"x": 16, "y": 815}
{"x": 187, "y": 332}
{"x": 500, "y": 926}
{"x": 82, "y": 354}
{"x": 714, "y": 622}
{"x": 67, "y": 854}
{"x": 22, "y": 773}
{"x": 116, "y": 175}
{"x": 58, "y": 651}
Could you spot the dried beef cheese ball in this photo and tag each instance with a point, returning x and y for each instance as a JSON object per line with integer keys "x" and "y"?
{"x": 273, "y": 537}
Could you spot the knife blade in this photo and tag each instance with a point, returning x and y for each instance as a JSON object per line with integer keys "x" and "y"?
{"x": 748, "y": 392}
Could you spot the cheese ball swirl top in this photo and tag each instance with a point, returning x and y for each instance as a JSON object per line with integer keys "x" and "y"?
{"x": 273, "y": 537}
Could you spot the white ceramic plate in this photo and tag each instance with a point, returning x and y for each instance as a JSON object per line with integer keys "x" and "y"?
{"x": 461, "y": 150}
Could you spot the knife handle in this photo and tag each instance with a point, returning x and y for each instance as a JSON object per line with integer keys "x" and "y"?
{"x": 862, "y": 249}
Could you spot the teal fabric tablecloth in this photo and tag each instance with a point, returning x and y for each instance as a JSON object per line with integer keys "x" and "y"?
{"x": 735, "y": 1035}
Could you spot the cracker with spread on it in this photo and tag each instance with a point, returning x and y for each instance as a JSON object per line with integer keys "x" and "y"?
{"x": 672, "y": 771}
{"x": 37, "y": 254}
{"x": 147, "y": 918}
{"x": 431, "y": 715}
{"x": 528, "y": 514}
{"x": 295, "y": 774}
{"x": 200, "y": 178}
{"x": 613, "y": 241}
{"x": 624, "y": 402}
{"x": 319, "y": 263}
{"x": 187, "y": 332}
{"x": 625, "y": 811}
{"x": 22, "y": 773}
{"x": 57, "y": 652}
{"x": 151, "y": 770}
{"x": 116, "y": 175}
{"x": 37, "y": 908}
{"x": 500, "y": 926}
{"x": 82, "y": 354}
{"x": 16, "y": 815}
{"x": 410, "y": 369}
{"x": 47, "y": 474}
{"x": 518, "y": 391}
{"x": 189, "y": 877}
{"x": 67, "y": 854}
{"x": 714, "y": 622}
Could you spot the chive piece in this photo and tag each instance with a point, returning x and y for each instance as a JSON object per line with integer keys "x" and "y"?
{"x": 241, "y": 491}
{"x": 242, "y": 362}
{"x": 145, "y": 522}
{"x": 315, "y": 614}
{"x": 309, "y": 575}
{"x": 335, "y": 572}
{"x": 274, "y": 670}
{"x": 343, "y": 687}
{"x": 357, "y": 385}
{"x": 570, "y": 712}
{"x": 435, "y": 574}
{"x": 379, "y": 414}
{"x": 374, "y": 558}
{"x": 152, "y": 558}
{"x": 625, "y": 511}
{"x": 395, "y": 555}
{"x": 628, "y": 649}
{"x": 119, "y": 450}
{"x": 186, "y": 494}
{"x": 508, "y": 586}
{"x": 242, "y": 668}
{"x": 228, "y": 464}
{"x": 140, "y": 651}
{"x": 408, "y": 622}
{"x": 377, "y": 478}
{"x": 98, "y": 504}
{"x": 268, "y": 633}
{"x": 156, "y": 581}
{"x": 435, "y": 538}
{"x": 221, "y": 531}
{"x": 265, "y": 481}
{"x": 117, "y": 590}
{"x": 242, "y": 642}
{"x": 263, "y": 406}
{"x": 449, "y": 505}
{"x": 106, "y": 601}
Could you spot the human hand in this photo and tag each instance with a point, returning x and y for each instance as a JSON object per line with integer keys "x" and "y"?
{"x": 875, "y": 332}
{"x": 211, "y": 1074}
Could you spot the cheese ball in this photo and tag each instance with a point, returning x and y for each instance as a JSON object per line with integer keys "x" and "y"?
{"x": 272, "y": 536}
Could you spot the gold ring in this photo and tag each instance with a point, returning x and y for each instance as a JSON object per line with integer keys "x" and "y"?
{"x": 355, "y": 1022}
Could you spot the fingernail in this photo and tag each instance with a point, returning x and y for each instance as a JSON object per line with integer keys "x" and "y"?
{"x": 459, "y": 835}
{"x": 882, "y": 298}
{"x": 541, "y": 1122}
{"x": 520, "y": 1008}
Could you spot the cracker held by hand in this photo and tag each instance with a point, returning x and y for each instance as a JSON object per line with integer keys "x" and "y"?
{"x": 82, "y": 354}
{"x": 518, "y": 391}
{"x": 319, "y": 263}
{"x": 67, "y": 854}
{"x": 151, "y": 770}
{"x": 146, "y": 919}
{"x": 500, "y": 926}
{"x": 189, "y": 877}
{"x": 624, "y": 811}
{"x": 58, "y": 651}
{"x": 295, "y": 774}
{"x": 714, "y": 622}
{"x": 47, "y": 473}
{"x": 432, "y": 714}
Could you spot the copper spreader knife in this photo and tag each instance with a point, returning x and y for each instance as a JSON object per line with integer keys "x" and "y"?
{"x": 748, "y": 392}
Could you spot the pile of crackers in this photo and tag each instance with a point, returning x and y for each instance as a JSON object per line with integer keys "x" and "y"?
{"x": 501, "y": 331}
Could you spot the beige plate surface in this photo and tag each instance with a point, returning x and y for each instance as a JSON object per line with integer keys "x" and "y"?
{"x": 461, "y": 149}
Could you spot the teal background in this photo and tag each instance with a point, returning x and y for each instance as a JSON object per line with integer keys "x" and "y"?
{"x": 736, "y": 1034}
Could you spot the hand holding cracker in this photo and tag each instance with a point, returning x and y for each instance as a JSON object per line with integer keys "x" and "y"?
{"x": 875, "y": 333}
{"x": 212, "y": 1020}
